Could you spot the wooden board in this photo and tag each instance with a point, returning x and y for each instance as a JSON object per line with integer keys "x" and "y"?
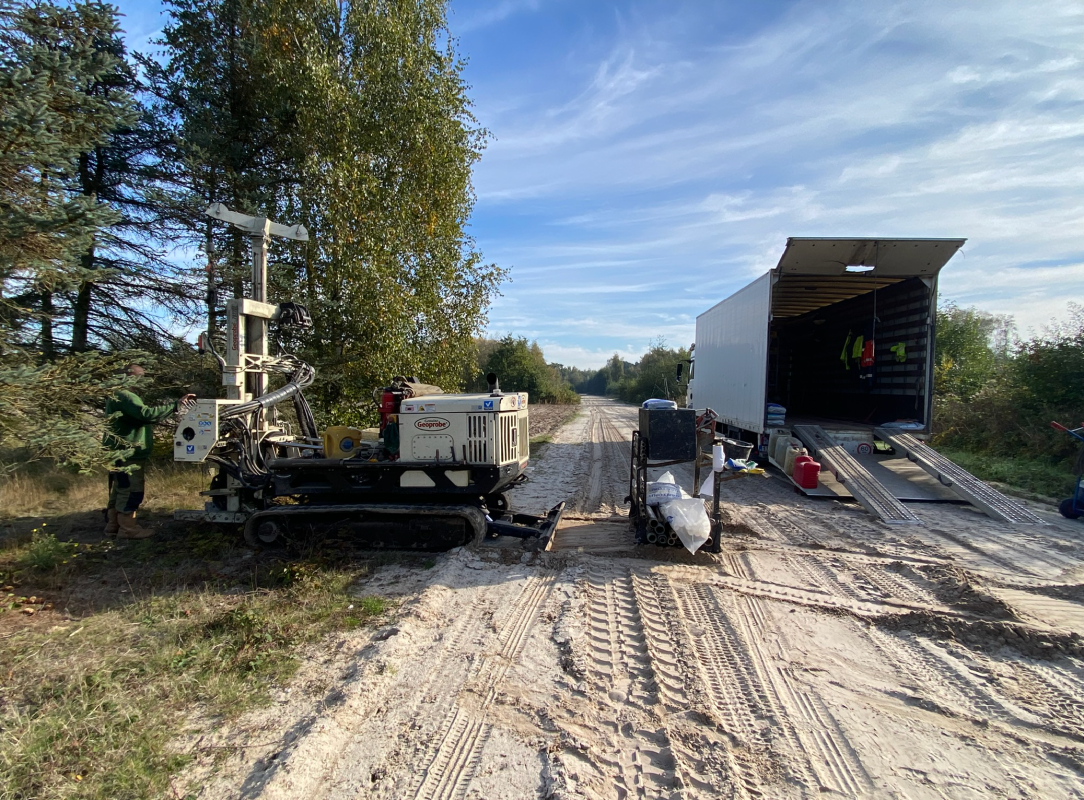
{"x": 905, "y": 481}
{"x": 592, "y": 534}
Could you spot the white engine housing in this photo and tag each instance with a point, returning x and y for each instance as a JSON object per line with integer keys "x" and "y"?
{"x": 472, "y": 428}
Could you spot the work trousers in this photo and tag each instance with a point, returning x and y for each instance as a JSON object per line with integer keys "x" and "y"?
{"x": 126, "y": 489}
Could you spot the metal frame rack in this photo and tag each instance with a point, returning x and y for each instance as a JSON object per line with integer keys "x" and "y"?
{"x": 637, "y": 499}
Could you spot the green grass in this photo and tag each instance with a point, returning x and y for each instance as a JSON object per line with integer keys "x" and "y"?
{"x": 111, "y": 651}
{"x": 40, "y": 489}
{"x": 92, "y": 707}
{"x": 44, "y": 553}
{"x": 372, "y": 605}
{"x": 1029, "y": 475}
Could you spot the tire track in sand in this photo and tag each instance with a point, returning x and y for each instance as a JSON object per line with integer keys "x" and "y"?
{"x": 1035, "y": 703}
{"x": 607, "y": 454}
{"x": 639, "y": 759}
{"x": 754, "y": 699}
{"x": 865, "y": 583}
{"x": 945, "y": 690}
{"x": 619, "y": 447}
{"x": 826, "y": 745}
{"x": 353, "y": 717}
{"x": 589, "y": 497}
{"x": 455, "y": 759}
{"x": 703, "y": 761}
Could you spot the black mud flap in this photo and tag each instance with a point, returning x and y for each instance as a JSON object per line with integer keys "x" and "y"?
{"x": 526, "y": 526}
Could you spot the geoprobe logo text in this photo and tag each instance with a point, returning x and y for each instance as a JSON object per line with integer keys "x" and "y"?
{"x": 431, "y": 424}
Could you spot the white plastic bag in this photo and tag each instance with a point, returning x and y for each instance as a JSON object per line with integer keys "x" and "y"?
{"x": 707, "y": 487}
{"x": 661, "y": 490}
{"x": 689, "y": 520}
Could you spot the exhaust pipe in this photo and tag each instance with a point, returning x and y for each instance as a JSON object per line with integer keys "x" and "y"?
{"x": 494, "y": 384}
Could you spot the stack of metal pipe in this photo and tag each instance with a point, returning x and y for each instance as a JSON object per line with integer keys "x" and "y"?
{"x": 661, "y": 534}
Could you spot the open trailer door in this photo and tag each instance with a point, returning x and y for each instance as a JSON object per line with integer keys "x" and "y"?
{"x": 732, "y": 356}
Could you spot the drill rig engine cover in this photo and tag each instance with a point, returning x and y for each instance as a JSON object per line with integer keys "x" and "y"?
{"x": 433, "y": 477}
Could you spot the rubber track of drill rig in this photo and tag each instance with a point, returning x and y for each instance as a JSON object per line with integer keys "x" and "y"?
{"x": 473, "y": 516}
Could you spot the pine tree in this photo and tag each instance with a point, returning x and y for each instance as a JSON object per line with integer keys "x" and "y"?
{"x": 46, "y": 122}
{"x": 228, "y": 133}
{"x": 47, "y": 57}
{"x": 131, "y": 294}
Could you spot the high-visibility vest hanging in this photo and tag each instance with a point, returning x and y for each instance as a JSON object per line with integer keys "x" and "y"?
{"x": 867, "y": 354}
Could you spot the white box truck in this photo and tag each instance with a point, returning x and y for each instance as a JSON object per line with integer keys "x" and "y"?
{"x": 841, "y": 335}
{"x": 841, "y": 332}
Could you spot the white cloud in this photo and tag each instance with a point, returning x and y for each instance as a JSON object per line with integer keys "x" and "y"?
{"x": 584, "y": 358}
{"x": 669, "y": 160}
{"x": 493, "y": 13}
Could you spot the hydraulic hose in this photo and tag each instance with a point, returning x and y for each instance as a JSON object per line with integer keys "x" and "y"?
{"x": 264, "y": 401}
{"x": 299, "y": 380}
{"x": 304, "y": 417}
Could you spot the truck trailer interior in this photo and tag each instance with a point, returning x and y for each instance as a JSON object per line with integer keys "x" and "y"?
{"x": 829, "y": 298}
{"x": 841, "y": 334}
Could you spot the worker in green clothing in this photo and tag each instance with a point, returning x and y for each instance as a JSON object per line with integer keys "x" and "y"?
{"x": 131, "y": 426}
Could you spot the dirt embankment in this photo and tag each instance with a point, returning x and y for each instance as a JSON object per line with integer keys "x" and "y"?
{"x": 545, "y": 420}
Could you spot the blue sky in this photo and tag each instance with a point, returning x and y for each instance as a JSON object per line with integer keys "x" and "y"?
{"x": 650, "y": 158}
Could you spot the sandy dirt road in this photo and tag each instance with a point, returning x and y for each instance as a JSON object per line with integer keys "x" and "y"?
{"x": 821, "y": 654}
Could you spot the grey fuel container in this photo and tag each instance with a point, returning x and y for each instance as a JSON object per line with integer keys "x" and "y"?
{"x": 670, "y": 433}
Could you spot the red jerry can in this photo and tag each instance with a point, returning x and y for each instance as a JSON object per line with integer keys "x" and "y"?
{"x": 807, "y": 473}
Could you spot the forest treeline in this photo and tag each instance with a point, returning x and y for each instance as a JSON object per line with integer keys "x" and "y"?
{"x": 521, "y": 366}
{"x": 996, "y": 394}
{"x": 654, "y": 375}
{"x": 351, "y": 118}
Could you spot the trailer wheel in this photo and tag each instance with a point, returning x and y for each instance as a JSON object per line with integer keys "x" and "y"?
{"x": 497, "y": 502}
{"x": 1068, "y": 509}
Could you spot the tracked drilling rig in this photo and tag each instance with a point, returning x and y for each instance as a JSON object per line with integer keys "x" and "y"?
{"x": 433, "y": 476}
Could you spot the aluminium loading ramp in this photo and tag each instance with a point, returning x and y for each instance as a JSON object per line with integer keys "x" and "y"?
{"x": 866, "y": 489}
{"x": 988, "y": 500}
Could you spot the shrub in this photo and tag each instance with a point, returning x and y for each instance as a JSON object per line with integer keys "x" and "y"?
{"x": 45, "y": 553}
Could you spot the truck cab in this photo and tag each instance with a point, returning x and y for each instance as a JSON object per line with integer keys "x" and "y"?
{"x": 689, "y": 401}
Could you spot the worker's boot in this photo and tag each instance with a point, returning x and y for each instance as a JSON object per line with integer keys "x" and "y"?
{"x": 111, "y": 526}
{"x": 130, "y": 529}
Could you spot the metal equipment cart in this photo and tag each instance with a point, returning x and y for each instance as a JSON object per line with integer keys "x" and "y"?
{"x": 665, "y": 437}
